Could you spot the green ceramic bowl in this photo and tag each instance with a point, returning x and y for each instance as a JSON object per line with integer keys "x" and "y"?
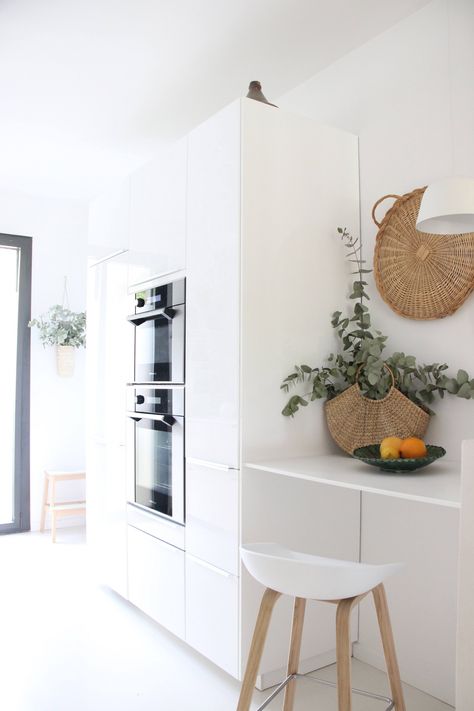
{"x": 370, "y": 454}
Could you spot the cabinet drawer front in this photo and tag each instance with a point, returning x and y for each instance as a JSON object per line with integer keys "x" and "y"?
{"x": 156, "y": 579}
{"x": 212, "y": 614}
{"x": 212, "y": 514}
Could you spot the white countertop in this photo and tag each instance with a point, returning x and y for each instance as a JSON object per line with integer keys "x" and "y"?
{"x": 439, "y": 483}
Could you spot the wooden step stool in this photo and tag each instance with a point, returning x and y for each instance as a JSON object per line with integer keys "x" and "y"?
{"x": 59, "y": 508}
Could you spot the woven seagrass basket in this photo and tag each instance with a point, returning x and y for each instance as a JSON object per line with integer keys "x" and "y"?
{"x": 420, "y": 275}
{"x": 356, "y": 421}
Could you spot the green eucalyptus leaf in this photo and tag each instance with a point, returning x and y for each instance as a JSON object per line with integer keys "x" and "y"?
{"x": 452, "y": 386}
{"x": 464, "y": 391}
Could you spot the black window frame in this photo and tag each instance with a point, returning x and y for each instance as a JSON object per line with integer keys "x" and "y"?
{"x": 21, "y": 494}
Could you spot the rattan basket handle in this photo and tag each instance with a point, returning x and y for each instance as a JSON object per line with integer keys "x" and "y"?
{"x": 384, "y": 365}
{"x": 378, "y": 203}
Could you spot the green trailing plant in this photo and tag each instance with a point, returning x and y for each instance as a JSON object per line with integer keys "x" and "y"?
{"x": 362, "y": 354}
{"x": 61, "y": 327}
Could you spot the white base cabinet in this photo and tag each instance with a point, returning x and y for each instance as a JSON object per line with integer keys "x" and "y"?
{"x": 212, "y": 514}
{"x": 156, "y": 579}
{"x": 212, "y": 617}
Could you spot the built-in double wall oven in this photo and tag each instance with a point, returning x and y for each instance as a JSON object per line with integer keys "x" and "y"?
{"x": 156, "y": 400}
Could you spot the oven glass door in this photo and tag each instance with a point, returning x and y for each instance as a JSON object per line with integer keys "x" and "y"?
{"x": 159, "y": 465}
{"x": 159, "y": 347}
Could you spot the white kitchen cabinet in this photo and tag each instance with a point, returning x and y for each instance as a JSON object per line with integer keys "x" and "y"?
{"x": 213, "y": 290}
{"x": 266, "y": 193}
{"x": 422, "y": 597}
{"x": 109, "y": 220}
{"x": 212, "y": 613}
{"x": 212, "y": 514}
{"x": 246, "y": 208}
{"x": 158, "y": 214}
{"x": 108, "y": 357}
{"x": 156, "y": 580}
{"x": 465, "y": 622}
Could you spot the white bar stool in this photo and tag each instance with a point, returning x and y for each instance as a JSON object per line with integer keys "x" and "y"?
{"x": 310, "y": 577}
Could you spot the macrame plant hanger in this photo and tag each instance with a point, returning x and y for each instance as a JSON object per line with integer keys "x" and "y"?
{"x": 65, "y": 354}
{"x": 65, "y": 303}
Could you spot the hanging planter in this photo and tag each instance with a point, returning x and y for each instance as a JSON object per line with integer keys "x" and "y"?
{"x": 65, "y": 359}
{"x": 64, "y": 329}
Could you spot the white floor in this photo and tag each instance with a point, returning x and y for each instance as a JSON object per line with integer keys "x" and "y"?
{"x": 68, "y": 645}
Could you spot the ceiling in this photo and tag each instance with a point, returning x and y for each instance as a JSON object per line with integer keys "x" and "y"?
{"x": 90, "y": 89}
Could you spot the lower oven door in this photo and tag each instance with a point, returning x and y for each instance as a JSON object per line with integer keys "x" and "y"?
{"x": 159, "y": 464}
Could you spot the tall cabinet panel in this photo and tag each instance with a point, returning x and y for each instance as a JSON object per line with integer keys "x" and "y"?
{"x": 158, "y": 214}
{"x": 109, "y": 220}
{"x": 108, "y": 360}
{"x": 213, "y": 290}
{"x": 299, "y": 183}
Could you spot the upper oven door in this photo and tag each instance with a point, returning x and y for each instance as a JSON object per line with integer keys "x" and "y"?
{"x": 159, "y": 345}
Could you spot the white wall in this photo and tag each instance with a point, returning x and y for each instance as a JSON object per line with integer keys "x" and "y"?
{"x": 59, "y": 232}
{"x": 394, "y": 92}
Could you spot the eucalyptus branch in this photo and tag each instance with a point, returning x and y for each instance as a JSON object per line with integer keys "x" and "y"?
{"x": 61, "y": 327}
{"x": 362, "y": 353}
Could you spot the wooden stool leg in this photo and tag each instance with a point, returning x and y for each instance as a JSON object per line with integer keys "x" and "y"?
{"x": 343, "y": 653}
{"x": 256, "y": 649}
{"x": 52, "y": 501}
{"x": 295, "y": 647}
{"x": 45, "y": 501}
{"x": 386, "y": 634}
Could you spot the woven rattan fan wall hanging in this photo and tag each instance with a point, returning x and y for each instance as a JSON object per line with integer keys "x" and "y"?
{"x": 419, "y": 275}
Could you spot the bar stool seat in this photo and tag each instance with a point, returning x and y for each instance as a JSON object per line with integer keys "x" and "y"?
{"x": 345, "y": 583}
{"x": 311, "y": 576}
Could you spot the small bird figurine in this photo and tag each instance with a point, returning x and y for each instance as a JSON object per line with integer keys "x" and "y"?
{"x": 255, "y": 92}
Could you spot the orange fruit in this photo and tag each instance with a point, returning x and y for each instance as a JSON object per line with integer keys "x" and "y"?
{"x": 413, "y": 448}
{"x": 390, "y": 448}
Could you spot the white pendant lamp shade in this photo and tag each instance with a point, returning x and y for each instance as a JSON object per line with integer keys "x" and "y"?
{"x": 447, "y": 207}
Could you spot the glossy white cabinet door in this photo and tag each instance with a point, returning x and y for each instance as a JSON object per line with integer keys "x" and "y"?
{"x": 212, "y": 617}
{"x": 109, "y": 220}
{"x": 422, "y": 597}
{"x": 156, "y": 579}
{"x": 107, "y": 355}
{"x": 212, "y": 514}
{"x": 465, "y": 623}
{"x": 106, "y": 523}
{"x": 158, "y": 214}
{"x": 213, "y": 289}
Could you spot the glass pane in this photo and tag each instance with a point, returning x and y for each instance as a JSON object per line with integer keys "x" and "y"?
{"x": 153, "y": 350}
{"x": 154, "y": 466}
{"x": 9, "y": 263}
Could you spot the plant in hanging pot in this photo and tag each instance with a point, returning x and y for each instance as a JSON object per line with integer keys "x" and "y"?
{"x": 368, "y": 395}
{"x": 64, "y": 329}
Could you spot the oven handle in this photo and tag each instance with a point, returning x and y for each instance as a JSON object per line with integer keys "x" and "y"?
{"x": 137, "y": 416}
{"x": 167, "y": 312}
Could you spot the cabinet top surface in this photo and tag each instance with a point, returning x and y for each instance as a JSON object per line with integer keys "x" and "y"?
{"x": 439, "y": 483}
